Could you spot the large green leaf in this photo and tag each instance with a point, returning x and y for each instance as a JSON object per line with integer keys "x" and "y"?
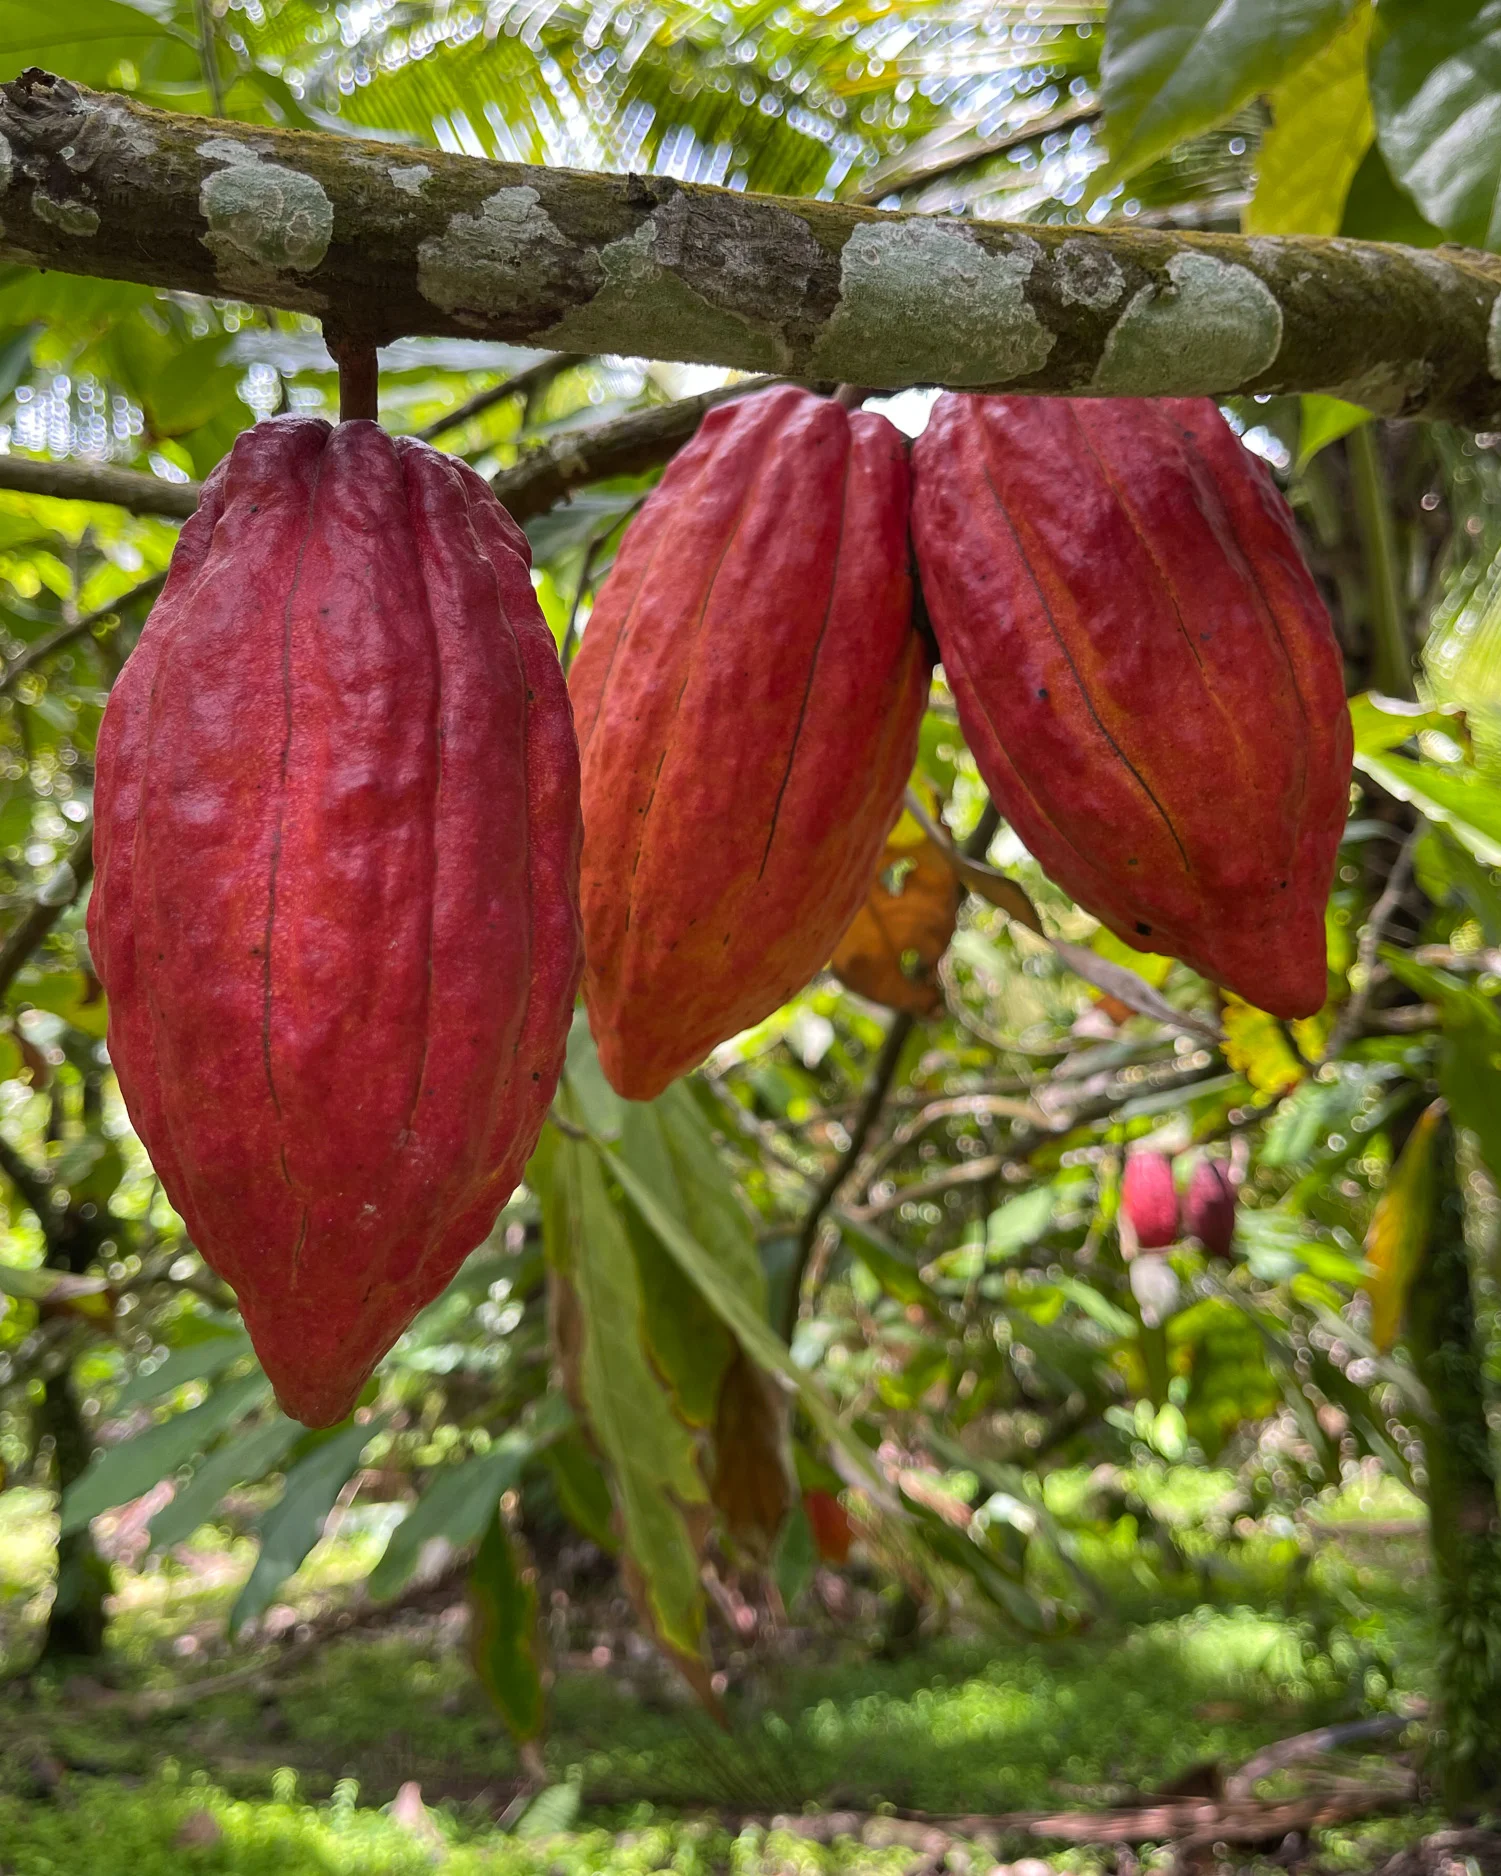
{"x": 1398, "y": 1234}
{"x": 1172, "y": 68}
{"x": 459, "y": 1500}
{"x": 1436, "y": 89}
{"x": 1321, "y": 130}
{"x": 123, "y": 1472}
{"x": 651, "y": 1453}
{"x": 199, "y": 1361}
{"x": 239, "y": 1461}
{"x": 503, "y": 1640}
{"x": 289, "y": 1530}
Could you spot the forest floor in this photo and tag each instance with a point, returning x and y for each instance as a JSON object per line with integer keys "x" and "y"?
{"x": 370, "y": 1748}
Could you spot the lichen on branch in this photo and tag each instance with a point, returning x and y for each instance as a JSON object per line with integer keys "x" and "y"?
{"x": 386, "y": 241}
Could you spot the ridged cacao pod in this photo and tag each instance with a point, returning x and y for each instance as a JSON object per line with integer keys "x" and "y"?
{"x": 1209, "y": 1207}
{"x": 1144, "y": 671}
{"x": 748, "y": 696}
{"x": 337, "y": 832}
{"x": 1149, "y": 1200}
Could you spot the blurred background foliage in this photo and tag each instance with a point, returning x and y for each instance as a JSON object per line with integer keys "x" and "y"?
{"x": 886, "y": 1351}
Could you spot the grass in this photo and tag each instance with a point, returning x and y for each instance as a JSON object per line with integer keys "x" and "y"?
{"x": 1257, "y": 1640}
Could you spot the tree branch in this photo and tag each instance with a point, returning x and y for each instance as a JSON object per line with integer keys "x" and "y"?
{"x": 97, "y": 482}
{"x": 386, "y": 241}
{"x": 638, "y": 441}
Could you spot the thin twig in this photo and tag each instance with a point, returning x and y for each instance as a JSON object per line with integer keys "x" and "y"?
{"x": 63, "y": 635}
{"x": 526, "y": 384}
{"x": 902, "y": 1025}
{"x": 1351, "y": 1017}
{"x": 56, "y": 893}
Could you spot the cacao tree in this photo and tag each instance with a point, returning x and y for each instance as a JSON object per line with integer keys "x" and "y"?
{"x": 860, "y": 1269}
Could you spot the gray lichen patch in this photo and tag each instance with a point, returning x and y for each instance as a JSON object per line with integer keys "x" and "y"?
{"x": 74, "y": 218}
{"x": 924, "y": 301}
{"x": 1209, "y": 328}
{"x": 644, "y": 304}
{"x": 1493, "y": 338}
{"x": 1086, "y": 274}
{"x": 7, "y": 162}
{"x": 263, "y": 213}
{"x": 477, "y": 262}
{"x": 226, "y": 150}
{"x": 408, "y": 177}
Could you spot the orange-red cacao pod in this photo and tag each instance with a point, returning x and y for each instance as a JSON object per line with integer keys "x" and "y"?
{"x": 1145, "y": 673}
{"x": 1149, "y": 1200}
{"x": 748, "y": 696}
{"x": 832, "y": 1531}
{"x": 1209, "y": 1206}
{"x": 337, "y": 832}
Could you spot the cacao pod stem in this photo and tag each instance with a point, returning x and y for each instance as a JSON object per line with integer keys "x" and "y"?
{"x": 359, "y": 379}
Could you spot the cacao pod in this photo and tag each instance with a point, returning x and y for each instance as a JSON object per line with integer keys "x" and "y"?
{"x": 1209, "y": 1207}
{"x": 337, "y": 832}
{"x": 830, "y": 1522}
{"x": 1149, "y": 1201}
{"x": 748, "y": 696}
{"x": 1144, "y": 671}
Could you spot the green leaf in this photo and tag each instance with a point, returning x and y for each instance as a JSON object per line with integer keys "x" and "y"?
{"x": 892, "y": 1267}
{"x": 88, "y": 1296}
{"x": 199, "y": 1361}
{"x": 1172, "y": 68}
{"x": 583, "y": 1491}
{"x": 652, "y": 1454}
{"x": 121, "y": 1473}
{"x": 289, "y": 1530}
{"x": 1436, "y": 89}
{"x": 755, "y": 1335}
{"x": 1377, "y": 210}
{"x": 1400, "y": 1224}
{"x": 459, "y": 1500}
{"x": 1321, "y": 130}
{"x": 551, "y": 1812}
{"x": 1385, "y": 723}
{"x": 503, "y": 1640}
{"x": 1324, "y": 420}
{"x": 1018, "y": 1223}
{"x": 1466, "y": 802}
{"x": 796, "y": 1556}
{"x": 238, "y": 1462}
{"x": 1470, "y": 1059}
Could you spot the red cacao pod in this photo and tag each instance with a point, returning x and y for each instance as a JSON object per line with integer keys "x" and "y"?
{"x": 1145, "y": 673}
{"x": 832, "y": 1532}
{"x": 337, "y": 832}
{"x": 1149, "y": 1200}
{"x": 1209, "y": 1207}
{"x": 748, "y": 696}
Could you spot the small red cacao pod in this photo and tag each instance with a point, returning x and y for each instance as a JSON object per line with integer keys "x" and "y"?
{"x": 832, "y": 1531}
{"x": 1209, "y": 1207}
{"x": 1149, "y": 1200}
{"x": 337, "y": 832}
{"x": 748, "y": 696}
{"x": 1144, "y": 671}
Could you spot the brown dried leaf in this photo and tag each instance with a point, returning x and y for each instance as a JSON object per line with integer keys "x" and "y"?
{"x": 908, "y": 914}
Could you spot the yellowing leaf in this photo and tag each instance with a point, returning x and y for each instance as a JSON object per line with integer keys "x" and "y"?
{"x": 1256, "y": 1046}
{"x": 1321, "y": 129}
{"x": 1398, "y": 1234}
{"x": 891, "y": 949}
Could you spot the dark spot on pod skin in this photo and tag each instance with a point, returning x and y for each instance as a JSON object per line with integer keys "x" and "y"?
{"x": 535, "y": 1075}
{"x": 1042, "y": 692}
{"x": 1143, "y": 931}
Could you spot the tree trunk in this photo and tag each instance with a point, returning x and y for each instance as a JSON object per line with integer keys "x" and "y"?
{"x": 76, "y": 1622}
{"x": 1465, "y": 1527}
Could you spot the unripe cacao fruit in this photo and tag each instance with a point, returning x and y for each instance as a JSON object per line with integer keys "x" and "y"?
{"x": 748, "y": 696}
{"x": 1149, "y": 1200}
{"x": 1209, "y": 1207}
{"x": 337, "y": 832}
{"x": 1144, "y": 671}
